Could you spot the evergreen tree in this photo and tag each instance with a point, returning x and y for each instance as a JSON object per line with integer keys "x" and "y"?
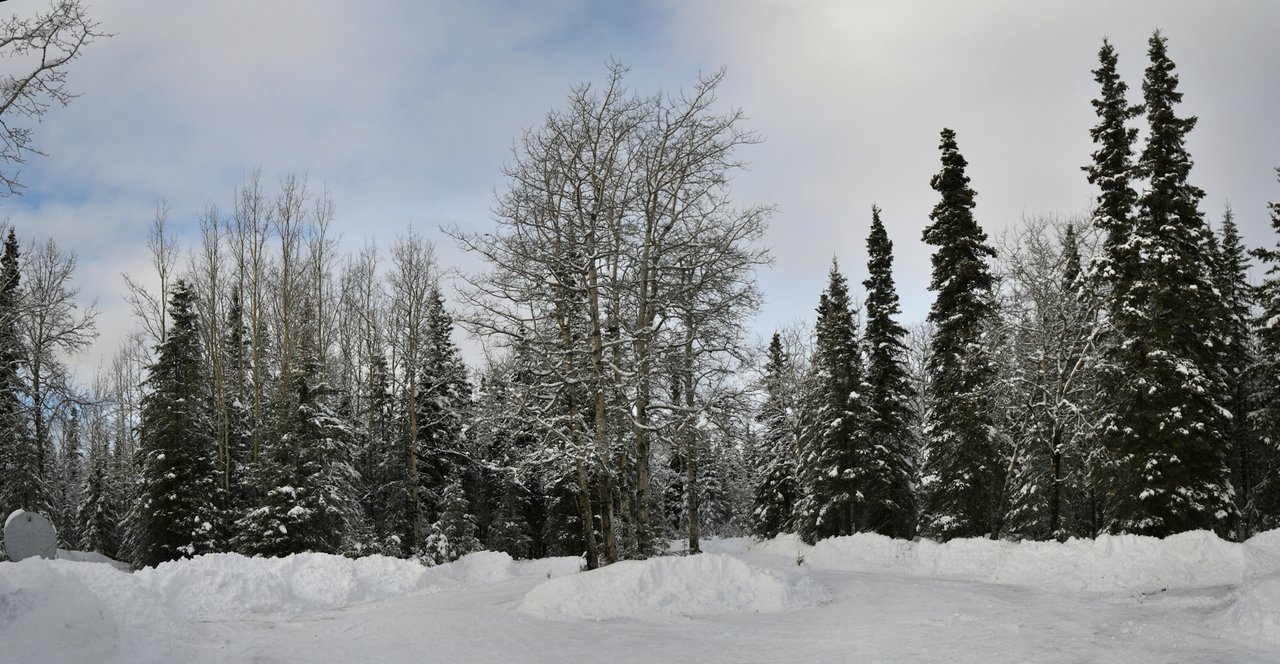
{"x": 1263, "y": 497}
{"x": 1112, "y": 171}
{"x": 962, "y": 474}
{"x": 306, "y": 479}
{"x": 443, "y": 403}
{"x": 509, "y": 530}
{"x": 22, "y": 484}
{"x": 238, "y": 358}
{"x": 97, "y": 518}
{"x": 887, "y": 484}
{"x": 388, "y": 503}
{"x": 178, "y": 482}
{"x": 1163, "y": 427}
{"x": 1238, "y": 360}
{"x": 453, "y": 535}
{"x": 66, "y": 483}
{"x": 776, "y": 487}
{"x": 833, "y": 462}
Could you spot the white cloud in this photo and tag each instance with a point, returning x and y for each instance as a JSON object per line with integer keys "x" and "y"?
{"x": 406, "y": 110}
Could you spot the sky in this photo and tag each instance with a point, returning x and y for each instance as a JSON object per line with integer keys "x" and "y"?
{"x": 407, "y": 110}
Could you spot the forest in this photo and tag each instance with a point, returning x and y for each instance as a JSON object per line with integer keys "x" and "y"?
{"x": 1111, "y": 372}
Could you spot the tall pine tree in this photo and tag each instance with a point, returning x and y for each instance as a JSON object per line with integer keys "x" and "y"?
{"x": 1263, "y": 497}
{"x": 21, "y": 485}
{"x": 832, "y": 504}
{"x": 177, "y": 502}
{"x": 776, "y": 489}
{"x": 97, "y": 516}
{"x": 886, "y": 484}
{"x": 962, "y": 474}
{"x": 1238, "y": 361}
{"x": 1163, "y": 423}
{"x": 305, "y": 480}
{"x": 1112, "y": 171}
{"x": 443, "y": 402}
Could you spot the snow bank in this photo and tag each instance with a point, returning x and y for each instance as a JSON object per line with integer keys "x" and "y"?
{"x": 1128, "y": 563}
{"x": 222, "y": 587}
{"x": 1255, "y": 613}
{"x": 664, "y": 588}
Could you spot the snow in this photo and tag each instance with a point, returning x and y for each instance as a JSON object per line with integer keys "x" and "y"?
{"x": 673, "y": 587}
{"x": 1123, "y": 563}
{"x": 1190, "y": 597}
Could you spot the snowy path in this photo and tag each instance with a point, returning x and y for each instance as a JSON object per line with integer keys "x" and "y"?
{"x": 872, "y": 618}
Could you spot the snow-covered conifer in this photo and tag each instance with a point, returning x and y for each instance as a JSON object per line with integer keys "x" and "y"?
{"x": 962, "y": 474}
{"x": 177, "y": 493}
{"x": 886, "y": 479}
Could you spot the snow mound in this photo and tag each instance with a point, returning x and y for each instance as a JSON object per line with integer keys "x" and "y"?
{"x": 1256, "y": 610}
{"x": 664, "y": 588}
{"x": 1120, "y": 563}
{"x": 228, "y": 586}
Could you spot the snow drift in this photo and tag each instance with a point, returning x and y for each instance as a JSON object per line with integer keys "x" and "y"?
{"x": 1120, "y": 563}
{"x": 1255, "y": 612}
{"x": 94, "y": 611}
{"x": 662, "y": 588}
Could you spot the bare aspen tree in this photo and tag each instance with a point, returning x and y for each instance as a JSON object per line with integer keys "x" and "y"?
{"x": 52, "y": 327}
{"x": 251, "y": 223}
{"x": 411, "y": 281}
{"x": 151, "y": 308}
{"x": 289, "y": 221}
{"x": 40, "y": 49}
{"x": 208, "y": 270}
{"x": 1051, "y": 323}
{"x": 321, "y": 254}
{"x": 686, "y": 156}
{"x": 125, "y": 375}
{"x": 600, "y": 235}
{"x": 360, "y": 334}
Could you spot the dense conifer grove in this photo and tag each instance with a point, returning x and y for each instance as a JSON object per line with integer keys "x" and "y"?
{"x": 1112, "y": 373}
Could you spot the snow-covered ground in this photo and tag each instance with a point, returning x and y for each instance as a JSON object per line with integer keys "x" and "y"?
{"x": 1189, "y": 598}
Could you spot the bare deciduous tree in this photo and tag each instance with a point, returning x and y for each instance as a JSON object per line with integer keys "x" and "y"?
{"x": 40, "y": 49}
{"x": 52, "y": 326}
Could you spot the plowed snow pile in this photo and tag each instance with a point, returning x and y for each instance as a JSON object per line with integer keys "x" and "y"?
{"x": 87, "y": 607}
{"x": 1122, "y": 563}
{"x": 663, "y": 588}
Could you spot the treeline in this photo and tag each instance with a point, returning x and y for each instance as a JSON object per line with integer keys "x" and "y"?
{"x": 1112, "y": 376}
{"x": 1076, "y": 377}
{"x": 281, "y": 397}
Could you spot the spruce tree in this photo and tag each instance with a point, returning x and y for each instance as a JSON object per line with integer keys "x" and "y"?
{"x": 1116, "y": 267}
{"x": 388, "y": 503}
{"x": 776, "y": 487}
{"x": 453, "y": 535}
{"x": 1263, "y": 497}
{"x": 66, "y": 480}
{"x": 1238, "y": 360}
{"x": 443, "y": 403}
{"x": 97, "y": 518}
{"x": 962, "y": 474}
{"x": 1163, "y": 429}
{"x": 238, "y": 358}
{"x": 1112, "y": 171}
{"x": 887, "y": 484}
{"x": 832, "y": 504}
{"x": 305, "y": 480}
{"x": 21, "y": 485}
{"x": 177, "y": 502}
